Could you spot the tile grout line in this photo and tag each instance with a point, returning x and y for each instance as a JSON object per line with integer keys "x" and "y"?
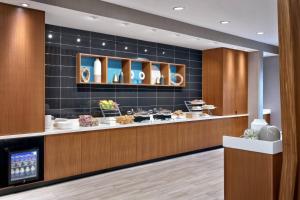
{"x": 90, "y": 87}
{"x": 60, "y": 71}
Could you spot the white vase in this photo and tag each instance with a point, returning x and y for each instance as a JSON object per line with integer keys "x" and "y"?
{"x": 257, "y": 124}
{"x": 97, "y": 71}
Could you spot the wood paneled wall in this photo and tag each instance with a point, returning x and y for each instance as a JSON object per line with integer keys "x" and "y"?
{"x": 212, "y": 78}
{"x": 22, "y": 70}
{"x": 289, "y": 48}
{"x": 225, "y": 80}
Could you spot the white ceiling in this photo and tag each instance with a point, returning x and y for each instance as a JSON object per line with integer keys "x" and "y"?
{"x": 79, "y": 20}
{"x": 247, "y": 16}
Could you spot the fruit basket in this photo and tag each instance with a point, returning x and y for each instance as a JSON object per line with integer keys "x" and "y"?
{"x": 109, "y": 108}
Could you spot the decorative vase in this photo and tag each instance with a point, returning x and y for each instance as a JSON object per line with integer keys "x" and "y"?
{"x": 121, "y": 78}
{"x": 157, "y": 82}
{"x": 97, "y": 71}
{"x": 257, "y": 124}
{"x": 115, "y": 79}
{"x": 269, "y": 133}
{"x": 162, "y": 80}
{"x": 155, "y": 74}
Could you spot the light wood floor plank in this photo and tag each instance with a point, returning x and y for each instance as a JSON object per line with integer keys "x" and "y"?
{"x": 194, "y": 177}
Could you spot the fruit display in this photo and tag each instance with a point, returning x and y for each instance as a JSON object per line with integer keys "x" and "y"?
{"x": 87, "y": 121}
{"x": 125, "y": 119}
{"x": 108, "y": 105}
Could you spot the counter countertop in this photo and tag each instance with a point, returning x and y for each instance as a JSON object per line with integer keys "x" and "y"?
{"x": 77, "y": 128}
{"x": 258, "y": 146}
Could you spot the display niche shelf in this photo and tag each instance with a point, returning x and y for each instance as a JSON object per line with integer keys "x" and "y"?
{"x": 135, "y": 71}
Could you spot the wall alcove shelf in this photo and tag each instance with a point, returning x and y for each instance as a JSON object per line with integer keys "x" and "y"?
{"x": 131, "y": 69}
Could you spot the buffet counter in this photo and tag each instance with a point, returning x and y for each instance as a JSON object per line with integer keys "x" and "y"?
{"x": 77, "y": 128}
{"x": 81, "y": 151}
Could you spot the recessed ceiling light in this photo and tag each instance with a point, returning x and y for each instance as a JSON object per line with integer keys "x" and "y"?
{"x": 50, "y": 36}
{"x": 78, "y": 40}
{"x": 260, "y": 33}
{"x": 25, "y": 5}
{"x": 103, "y": 43}
{"x": 126, "y": 47}
{"x": 163, "y": 53}
{"x": 146, "y": 50}
{"x": 224, "y": 22}
{"x": 178, "y": 8}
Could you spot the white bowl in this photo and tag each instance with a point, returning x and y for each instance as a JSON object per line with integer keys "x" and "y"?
{"x": 61, "y": 123}
{"x": 108, "y": 120}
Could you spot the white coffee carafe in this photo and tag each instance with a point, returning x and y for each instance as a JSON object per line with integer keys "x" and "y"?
{"x": 97, "y": 71}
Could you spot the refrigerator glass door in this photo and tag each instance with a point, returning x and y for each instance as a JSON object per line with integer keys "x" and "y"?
{"x": 23, "y": 166}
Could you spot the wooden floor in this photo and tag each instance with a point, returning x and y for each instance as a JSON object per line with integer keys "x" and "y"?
{"x": 195, "y": 177}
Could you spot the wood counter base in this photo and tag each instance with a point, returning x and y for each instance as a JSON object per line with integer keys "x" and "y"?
{"x": 250, "y": 175}
{"x": 74, "y": 154}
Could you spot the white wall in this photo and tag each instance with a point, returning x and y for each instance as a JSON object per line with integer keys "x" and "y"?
{"x": 272, "y": 89}
{"x": 255, "y": 86}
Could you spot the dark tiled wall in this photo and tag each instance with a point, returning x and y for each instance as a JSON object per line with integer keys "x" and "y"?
{"x": 66, "y": 99}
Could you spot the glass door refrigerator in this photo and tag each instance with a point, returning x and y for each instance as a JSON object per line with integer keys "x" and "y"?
{"x": 21, "y": 161}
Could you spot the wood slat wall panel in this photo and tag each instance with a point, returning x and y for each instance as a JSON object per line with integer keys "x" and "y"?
{"x": 123, "y": 146}
{"x": 77, "y": 153}
{"x": 168, "y": 140}
{"x": 251, "y": 175}
{"x": 22, "y": 71}
{"x": 225, "y": 80}
{"x": 229, "y": 82}
{"x": 212, "y": 72}
{"x": 289, "y": 47}
{"x": 148, "y": 139}
{"x": 187, "y": 137}
{"x": 95, "y": 147}
{"x": 62, "y": 156}
{"x": 241, "y": 94}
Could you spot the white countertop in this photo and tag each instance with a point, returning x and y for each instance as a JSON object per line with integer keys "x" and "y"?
{"x": 258, "y": 146}
{"x": 77, "y": 128}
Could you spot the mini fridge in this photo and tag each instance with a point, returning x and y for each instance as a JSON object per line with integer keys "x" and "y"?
{"x": 21, "y": 161}
{"x": 23, "y": 166}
